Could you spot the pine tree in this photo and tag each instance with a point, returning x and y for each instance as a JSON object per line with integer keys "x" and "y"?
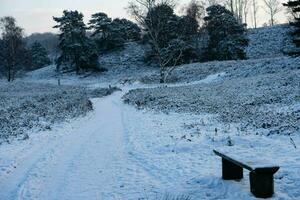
{"x": 295, "y": 7}
{"x": 76, "y": 48}
{"x": 39, "y": 56}
{"x": 106, "y": 33}
{"x": 227, "y": 37}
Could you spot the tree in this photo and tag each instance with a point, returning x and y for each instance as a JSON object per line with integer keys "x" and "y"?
{"x": 155, "y": 19}
{"x": 13, "y": 50}
{"x": 239, "y": 8}
{"x": 128, "y": 30}
{"x": 273, "y": 7}
{"x": 255, "y": 10}
{"x": 105, "y": 33}
{"x": 77, "y": 50}
{"x": 227, "y": 37}
{"x": 162, "y": 22}
{"x": 295, "y": 8}
{"x": 111, "y": 34}
{"x": 195, "y": 9}
{"x": 246, "y": 4}
{"x": 166, "y": 33}
{"x": 39, "y": 55}
{"x": 2, "y": 71}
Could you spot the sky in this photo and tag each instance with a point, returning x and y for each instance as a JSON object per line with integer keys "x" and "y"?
{"x": 36, "y": 15}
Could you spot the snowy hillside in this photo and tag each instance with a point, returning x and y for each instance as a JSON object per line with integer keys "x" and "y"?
{"x": 257, "y": 93}
{"x": 269, "y": 42}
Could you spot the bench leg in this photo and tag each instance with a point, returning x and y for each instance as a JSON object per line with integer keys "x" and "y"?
{"x": 261, "y": 184}
{"x": 231, "y": 171}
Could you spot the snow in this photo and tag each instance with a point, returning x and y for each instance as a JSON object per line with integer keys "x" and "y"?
{"x": 118, "y": 152}
{"x": 252, "y": 93}
{"x": 25, "y": 106}
{"x": 163, "y": 144}
{"x": 269, "y": 42}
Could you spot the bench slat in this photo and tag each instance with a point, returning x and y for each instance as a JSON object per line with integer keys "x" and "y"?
{"x": 234, "y": 161}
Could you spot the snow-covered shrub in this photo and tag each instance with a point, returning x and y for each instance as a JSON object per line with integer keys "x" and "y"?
{"x": 268, "y": 42}
{"x": 257, "y": 93}
{"x": 24, "y": 106}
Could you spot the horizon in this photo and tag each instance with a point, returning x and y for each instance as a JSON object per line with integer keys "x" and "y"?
{"x": 35, "y": 16}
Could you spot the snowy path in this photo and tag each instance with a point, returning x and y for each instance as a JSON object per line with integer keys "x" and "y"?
{"x": 88, "y": 163}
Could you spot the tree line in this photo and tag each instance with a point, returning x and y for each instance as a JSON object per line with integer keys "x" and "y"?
{"x": 80, "y": 44}
{"x": 173, "y": 39}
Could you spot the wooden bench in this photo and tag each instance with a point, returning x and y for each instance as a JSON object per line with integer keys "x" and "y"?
{"x": 261, "y": 175}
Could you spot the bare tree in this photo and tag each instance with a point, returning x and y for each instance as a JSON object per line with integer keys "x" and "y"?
{"x": 13, "y": 46}
{"x": 140, "y": 10}
{"x": 239, "y": 8}
{"x": 254, "y": 12}
{"x": 246, "y": 10}
{"x": 273, "y": 7}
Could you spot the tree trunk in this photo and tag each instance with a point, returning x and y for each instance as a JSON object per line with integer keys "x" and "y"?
{"x": 162, "y": 75}
{"x": 9, "y": 74}
{"x": 231, "y": 6}
{"x": 272, "y": 19}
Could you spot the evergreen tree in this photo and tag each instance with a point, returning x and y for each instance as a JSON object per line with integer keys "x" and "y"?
{"x": 295, "y": 7}
{"x": 13, "y": 51}
{"x": 188, "y": 27}
{"x": 39, "y": 56}
{"x": 162, "y": 22}
{"x": 106, "y": 33}
{"x": 172, "y": 38}
{"x": 128, "y": 30}
{"x": 227, "y": 37}
{"x": 77, "y": 50}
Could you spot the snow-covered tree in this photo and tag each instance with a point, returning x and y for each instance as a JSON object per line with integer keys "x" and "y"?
{"x": 77, "y": 50}
{"x": 13, "y": 51}
{"x": 39, "y": 55}
{"x": 227, "y": 37}
{"x": 295, "y": 8}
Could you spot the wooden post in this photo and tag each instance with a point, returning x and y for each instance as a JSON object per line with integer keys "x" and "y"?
{"x": 262, "y": 182}
{"x": 231, "y": 171}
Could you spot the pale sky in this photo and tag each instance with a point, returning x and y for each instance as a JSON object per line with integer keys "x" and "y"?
{"x": 36, "y": 15}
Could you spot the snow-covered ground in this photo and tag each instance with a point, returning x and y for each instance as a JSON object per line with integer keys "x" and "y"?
{"x": 25, "y": 106}
{"x": 260, "y": 93}
{"x": 269, "y": 42}
{"x": 163, "y": 144}
{"x": 118, "y": 152}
